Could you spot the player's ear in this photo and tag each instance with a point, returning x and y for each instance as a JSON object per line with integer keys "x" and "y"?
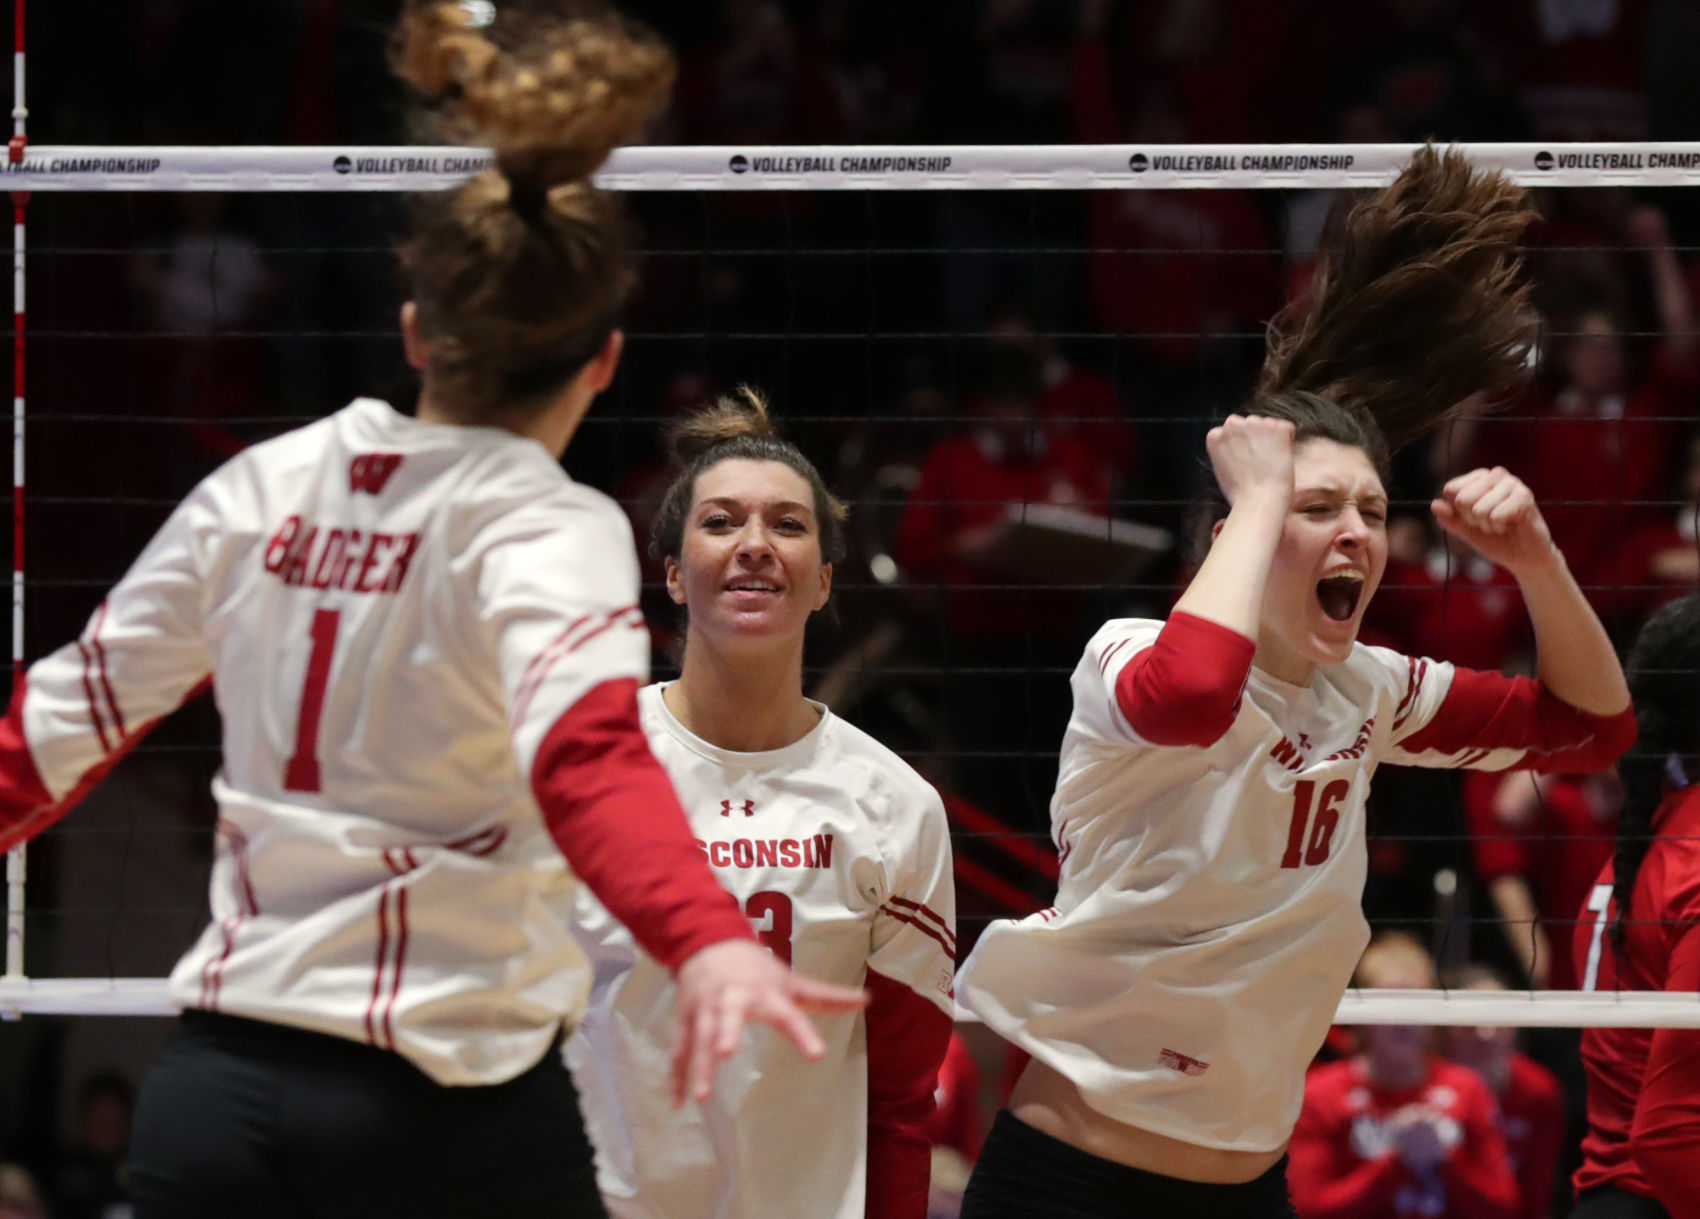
{"x": 675, "y": 581}
{"x": 418, "y": 354}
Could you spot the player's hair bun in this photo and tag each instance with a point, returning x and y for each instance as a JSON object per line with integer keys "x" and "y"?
{"x": 734, "y": 416}
{"x": 553, "y": 94}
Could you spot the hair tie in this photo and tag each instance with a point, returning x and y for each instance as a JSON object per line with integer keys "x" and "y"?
{"x": 529, "y": 197}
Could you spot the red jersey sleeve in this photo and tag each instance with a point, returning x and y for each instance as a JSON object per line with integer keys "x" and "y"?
{"x": 1185, "y": 688}
{"x": 1489, "y": 721}
{"x": 1665, "y": 1139}
{"x": 612, "y": 811}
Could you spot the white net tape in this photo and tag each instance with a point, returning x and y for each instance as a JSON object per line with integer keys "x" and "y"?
{"x": 866, "y": 167}
{"x": 901, "y": 168}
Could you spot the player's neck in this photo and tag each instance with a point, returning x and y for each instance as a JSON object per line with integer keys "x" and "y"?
{"x": 551, "y": 426}
{"x": 747, "y": 704}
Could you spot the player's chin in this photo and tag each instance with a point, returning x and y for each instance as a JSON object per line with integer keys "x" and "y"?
{"x": 1332, "y": 639}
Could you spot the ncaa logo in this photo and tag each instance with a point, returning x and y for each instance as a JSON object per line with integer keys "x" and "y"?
{"x": 740, "y": 164}
{"x": 343, "y": 165}
{"x": 1543, "y": 160}
{"x": 1139, "y": 162}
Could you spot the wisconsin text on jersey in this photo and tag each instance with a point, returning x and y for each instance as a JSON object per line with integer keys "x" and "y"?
{"x": 812, "y": 852}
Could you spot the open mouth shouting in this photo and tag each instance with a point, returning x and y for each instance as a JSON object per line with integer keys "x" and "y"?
{"x": 1339, "y": 593}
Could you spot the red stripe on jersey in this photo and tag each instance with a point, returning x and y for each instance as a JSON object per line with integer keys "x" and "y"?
{"x": 1418, "y": 670}
{"x": 931, "y": 931}
{"x": 105, "y": 680}
{"x": 920, "y": 908}
{"x": 378, "y": 969}
{"x": 212, "y": 975}
{"x": 484, "y": 842}
{"x": 539, "y": 668}
{"x": 1109, "y": 654}
{"x": 88, "y": 691}
{"x": 400, "y": 963}
{"x": 232, "y": 833}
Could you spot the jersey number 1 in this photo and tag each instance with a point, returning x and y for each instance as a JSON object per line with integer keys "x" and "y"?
{"x": 1321, "y": 828}
{"x": 301, "y": 773}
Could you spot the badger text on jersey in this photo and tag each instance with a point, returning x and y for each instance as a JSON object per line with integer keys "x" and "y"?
{"x": 304, "y": 555}
{"x": 812, "y": 852}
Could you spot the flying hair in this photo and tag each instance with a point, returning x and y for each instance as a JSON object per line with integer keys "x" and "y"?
{"x": 1418, "y": 302}
{"x": 520, "y": 273}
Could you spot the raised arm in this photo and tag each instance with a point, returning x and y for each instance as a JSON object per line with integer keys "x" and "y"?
{"x": 1495, "y": 512}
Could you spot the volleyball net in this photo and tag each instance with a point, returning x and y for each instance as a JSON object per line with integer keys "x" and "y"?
{"x": 1091, "y": 308}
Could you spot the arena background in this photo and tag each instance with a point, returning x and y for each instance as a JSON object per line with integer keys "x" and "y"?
{"x": 166, "y": 331}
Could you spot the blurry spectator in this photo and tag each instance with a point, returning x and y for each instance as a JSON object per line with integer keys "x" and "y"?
{"x": 92, "y": 1175}
{"x": 760, "y": 80}
{"x": 19, "y": 1196}
{"x": 1397, "y": 1130}
{"x": 1008, "y": 646}
{"x": 205, "y": 285}
{"x": 1578, "y": 66}
{"x": 1597, "y": 444}
{"x": 1441, "y": 599}
{"x": 1531, "y": 1105}
{"x": 1662, "y": 558}
{"x": 1539, "y": 841}
{"x": 1073, "y": 401}
{"x": 1427, "y": 77}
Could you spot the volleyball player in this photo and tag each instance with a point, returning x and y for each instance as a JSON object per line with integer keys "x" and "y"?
{"x": 1640, "y": 930}
{"x": 420, "y": 634}
{"x": 1210, "y": 806}
{"x": 837, "y": 850}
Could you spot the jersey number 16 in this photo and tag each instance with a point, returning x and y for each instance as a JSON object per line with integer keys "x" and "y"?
{"x": 1322, "y": 826}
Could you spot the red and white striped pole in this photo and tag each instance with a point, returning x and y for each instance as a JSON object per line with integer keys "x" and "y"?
{"x": 15, "y": 861}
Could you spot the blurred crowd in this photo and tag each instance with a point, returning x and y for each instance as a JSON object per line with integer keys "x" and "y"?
{"x": 944, "y": 357}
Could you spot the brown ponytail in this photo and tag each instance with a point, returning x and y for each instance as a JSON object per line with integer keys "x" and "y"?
{"x": 519, "y": 274}
{"x": 1418, "y": 301}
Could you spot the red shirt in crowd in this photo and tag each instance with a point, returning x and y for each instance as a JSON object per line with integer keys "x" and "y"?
{"x": 1531, "y": 1117}
{"x": 970, "y": 480}
{"x": 1599, "y": 470}
{"x": 1644, "y": 1084}
{"x": 1473, "y": 616}
{"x": 1343, "y": 1164}
{"x": 1558, "y": 848}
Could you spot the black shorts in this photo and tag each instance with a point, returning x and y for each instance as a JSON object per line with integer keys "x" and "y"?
{"x": 251, "y": 1119}
{"x": 1609, "y": 1202}
{"x": 1025, "y": 1173}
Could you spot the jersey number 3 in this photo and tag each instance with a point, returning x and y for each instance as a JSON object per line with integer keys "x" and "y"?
{"x": 301, "y": 772}
{"x": 1322, "y": 826}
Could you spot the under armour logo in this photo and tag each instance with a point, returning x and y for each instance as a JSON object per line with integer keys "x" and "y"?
{"x": 747, "y": 806}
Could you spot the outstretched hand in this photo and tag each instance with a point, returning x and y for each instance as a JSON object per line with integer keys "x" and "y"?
{"x": 1252, "y": 452}
{"x": 1494, "y": 512}
{"x": 725, "y": 986}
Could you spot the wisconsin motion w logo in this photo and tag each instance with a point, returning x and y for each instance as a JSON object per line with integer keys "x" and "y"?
{"x": 747, "y": 807}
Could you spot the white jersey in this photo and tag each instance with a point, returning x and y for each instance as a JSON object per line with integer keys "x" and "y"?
{"x": 840, "y": 855}
{"x": 1208, "y": 918}
{"x": 392, "y": 614}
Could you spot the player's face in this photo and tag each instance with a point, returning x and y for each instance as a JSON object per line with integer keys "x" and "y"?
{"x": 1330, "y": 560}
{"x": 750, "y": 566}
